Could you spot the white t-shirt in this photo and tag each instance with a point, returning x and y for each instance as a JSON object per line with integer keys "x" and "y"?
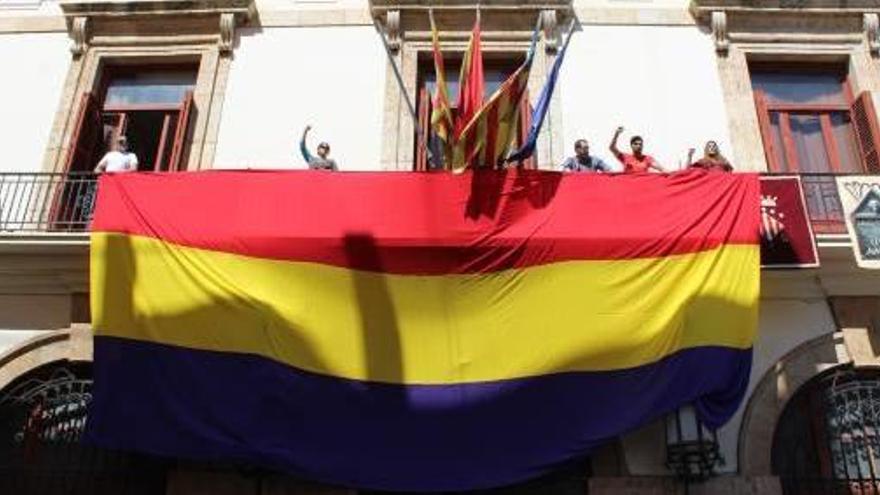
{"x": 117, "y": 161}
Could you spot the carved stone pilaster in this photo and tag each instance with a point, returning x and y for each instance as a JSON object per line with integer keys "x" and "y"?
{"x": 719, "y": 31}
{"x": 550, "y": 28}
{"x": 872, "y": 32}
{"x": 392, "y": 29}
{"x": 227, "y": 33}
{"x": 79, "y": 34}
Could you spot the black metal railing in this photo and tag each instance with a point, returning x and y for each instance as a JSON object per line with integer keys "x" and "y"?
{"x": 46, "y": 202}
{"x": 64, "y": 202}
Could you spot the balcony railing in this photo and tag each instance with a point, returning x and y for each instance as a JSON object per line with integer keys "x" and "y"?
{"x": 59, "y": 202}
{"x": 46, "y": 202}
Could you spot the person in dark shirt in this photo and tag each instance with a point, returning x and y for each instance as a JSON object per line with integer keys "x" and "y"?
{"x": 582, "y": 161}
{"x": 712, "y": 159}
{"x": 637, "y": 161}
{"x": 320, "y": 162}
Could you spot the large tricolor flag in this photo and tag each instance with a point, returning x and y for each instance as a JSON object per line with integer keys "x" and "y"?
{"x": 405, "y": 331}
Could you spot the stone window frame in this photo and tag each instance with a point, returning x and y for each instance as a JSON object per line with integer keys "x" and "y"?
{"x": 135, "y": 33}
{"x": 811, "y": 34}
{"x": 410, "y": 41}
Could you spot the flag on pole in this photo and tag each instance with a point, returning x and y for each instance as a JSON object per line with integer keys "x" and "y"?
{"x": 543, "y": 104}
{"x": 442, "y": 122}
{"x": 470, "y": 81}
{"x": 486, "y": 138}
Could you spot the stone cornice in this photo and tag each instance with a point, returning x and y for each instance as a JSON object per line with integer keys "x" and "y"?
{"x": 148, "y": 20}
{"x": 703, "y": 8}
{"x": 128, "y": 8}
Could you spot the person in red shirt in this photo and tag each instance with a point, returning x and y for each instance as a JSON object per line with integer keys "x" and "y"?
{"x": 712, "y": 159}
{"x": 637, "y": 161}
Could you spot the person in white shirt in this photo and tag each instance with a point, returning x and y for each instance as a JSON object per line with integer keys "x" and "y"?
{"x": 119, "y": 159}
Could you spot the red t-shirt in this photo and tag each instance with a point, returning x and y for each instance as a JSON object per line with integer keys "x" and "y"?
{"x": 632, "y": 164}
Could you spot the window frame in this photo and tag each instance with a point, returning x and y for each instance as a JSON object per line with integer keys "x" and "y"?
{"x": 765, "y": 108}
{"x": 492, "y": 60}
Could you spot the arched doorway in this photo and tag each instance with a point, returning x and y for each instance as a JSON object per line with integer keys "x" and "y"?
{"x": 42, "y": 417}
{"x": 827, "y": 439}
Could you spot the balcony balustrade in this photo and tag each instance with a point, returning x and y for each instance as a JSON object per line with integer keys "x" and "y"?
{"x": 64, "y": 202}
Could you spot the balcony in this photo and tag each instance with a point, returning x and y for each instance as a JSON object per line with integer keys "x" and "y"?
{"x": 46, "y": 202}
{"x": 62, "y": 203}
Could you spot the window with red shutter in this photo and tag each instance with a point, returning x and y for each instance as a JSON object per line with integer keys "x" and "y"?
{"x": 810, "y": 125}
{"x": 86, "y": 137}
{"x": 151, "y": 105}
{"x": 864, "y": 116}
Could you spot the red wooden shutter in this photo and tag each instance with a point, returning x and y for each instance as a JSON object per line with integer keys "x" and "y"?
{"x": 424, "y": 133}
{"x": 85, "y": 137}
{"x": 175, "y": 163}
{"x": 525, "y": 123}
{"x": 773, "y": 164}
{"x": 864, "y": 118}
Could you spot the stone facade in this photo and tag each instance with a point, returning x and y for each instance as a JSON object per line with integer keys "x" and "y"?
{"x": 43, "y": 290}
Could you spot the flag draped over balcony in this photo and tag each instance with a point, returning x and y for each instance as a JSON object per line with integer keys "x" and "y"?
{"x": 344, "y": 328}
{"x": 487, "y": 136}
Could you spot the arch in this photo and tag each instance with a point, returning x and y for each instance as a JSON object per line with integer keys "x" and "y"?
{"x": 773, "y": 392}
{"x": 69, "y": 344}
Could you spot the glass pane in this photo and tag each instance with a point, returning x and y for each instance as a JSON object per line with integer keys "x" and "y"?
{"x": 806, "y": 132}
{"x": 493, "y": 79}
{"x": 801, "y": 87}
{"x": 166, "y": 87}
{"x": 845, "y": 138}
{"x": 778, "y": 145}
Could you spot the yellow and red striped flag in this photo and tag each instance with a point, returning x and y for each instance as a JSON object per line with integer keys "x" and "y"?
{"x": 470, "y": 81}
{"x": 441, "y": 113}
{"x": 486, "y": 137}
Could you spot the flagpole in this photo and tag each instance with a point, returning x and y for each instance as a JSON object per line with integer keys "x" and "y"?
{"x": 422, "y": 142}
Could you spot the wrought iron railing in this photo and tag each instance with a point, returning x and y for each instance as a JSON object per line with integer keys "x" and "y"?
{"x": 64, "y": 202}
{"x": 46, "y": 202}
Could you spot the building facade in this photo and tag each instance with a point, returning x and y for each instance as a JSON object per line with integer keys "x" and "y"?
{"x": 783, "y": 86}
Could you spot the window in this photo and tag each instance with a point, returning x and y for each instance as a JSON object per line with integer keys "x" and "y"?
{"x": 827, "y": 439}
{"x": 151, "y": 106}
{"x": 42, "y": 419}
{"x": 495, "y": 72}
{"x": 811, "y": 124}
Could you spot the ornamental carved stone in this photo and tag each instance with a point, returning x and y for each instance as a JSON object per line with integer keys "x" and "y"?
{"x": 719, "y": 31}
{"x": 79, "y": 34}
{"x": 872, "y": 32}
{"x": 227, "y": 33}
{"x": 550, "y": 28}
{"x": 392, "y": 29}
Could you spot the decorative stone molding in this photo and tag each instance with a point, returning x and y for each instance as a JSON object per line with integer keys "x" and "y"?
{"x": 786, "y": 22}
{"x": 392, "y": 29}
{"x": 872, "y": 32}
{"x": 227, "y": 33}
{"x": 154, "y": 22}
{"x": 719, "y": 32}
{"x": 79, "y": 34}
{"x": 550, "y": 28}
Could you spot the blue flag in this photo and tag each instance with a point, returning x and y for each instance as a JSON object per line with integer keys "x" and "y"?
{"x": 540, "y": 110}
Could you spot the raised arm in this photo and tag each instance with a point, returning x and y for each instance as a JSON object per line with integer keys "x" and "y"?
{"x": 102, "y": 165}
{"x": 613, "y": 146}
{"x": 690, "y": 159}
{"x": 302, "y": 145}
